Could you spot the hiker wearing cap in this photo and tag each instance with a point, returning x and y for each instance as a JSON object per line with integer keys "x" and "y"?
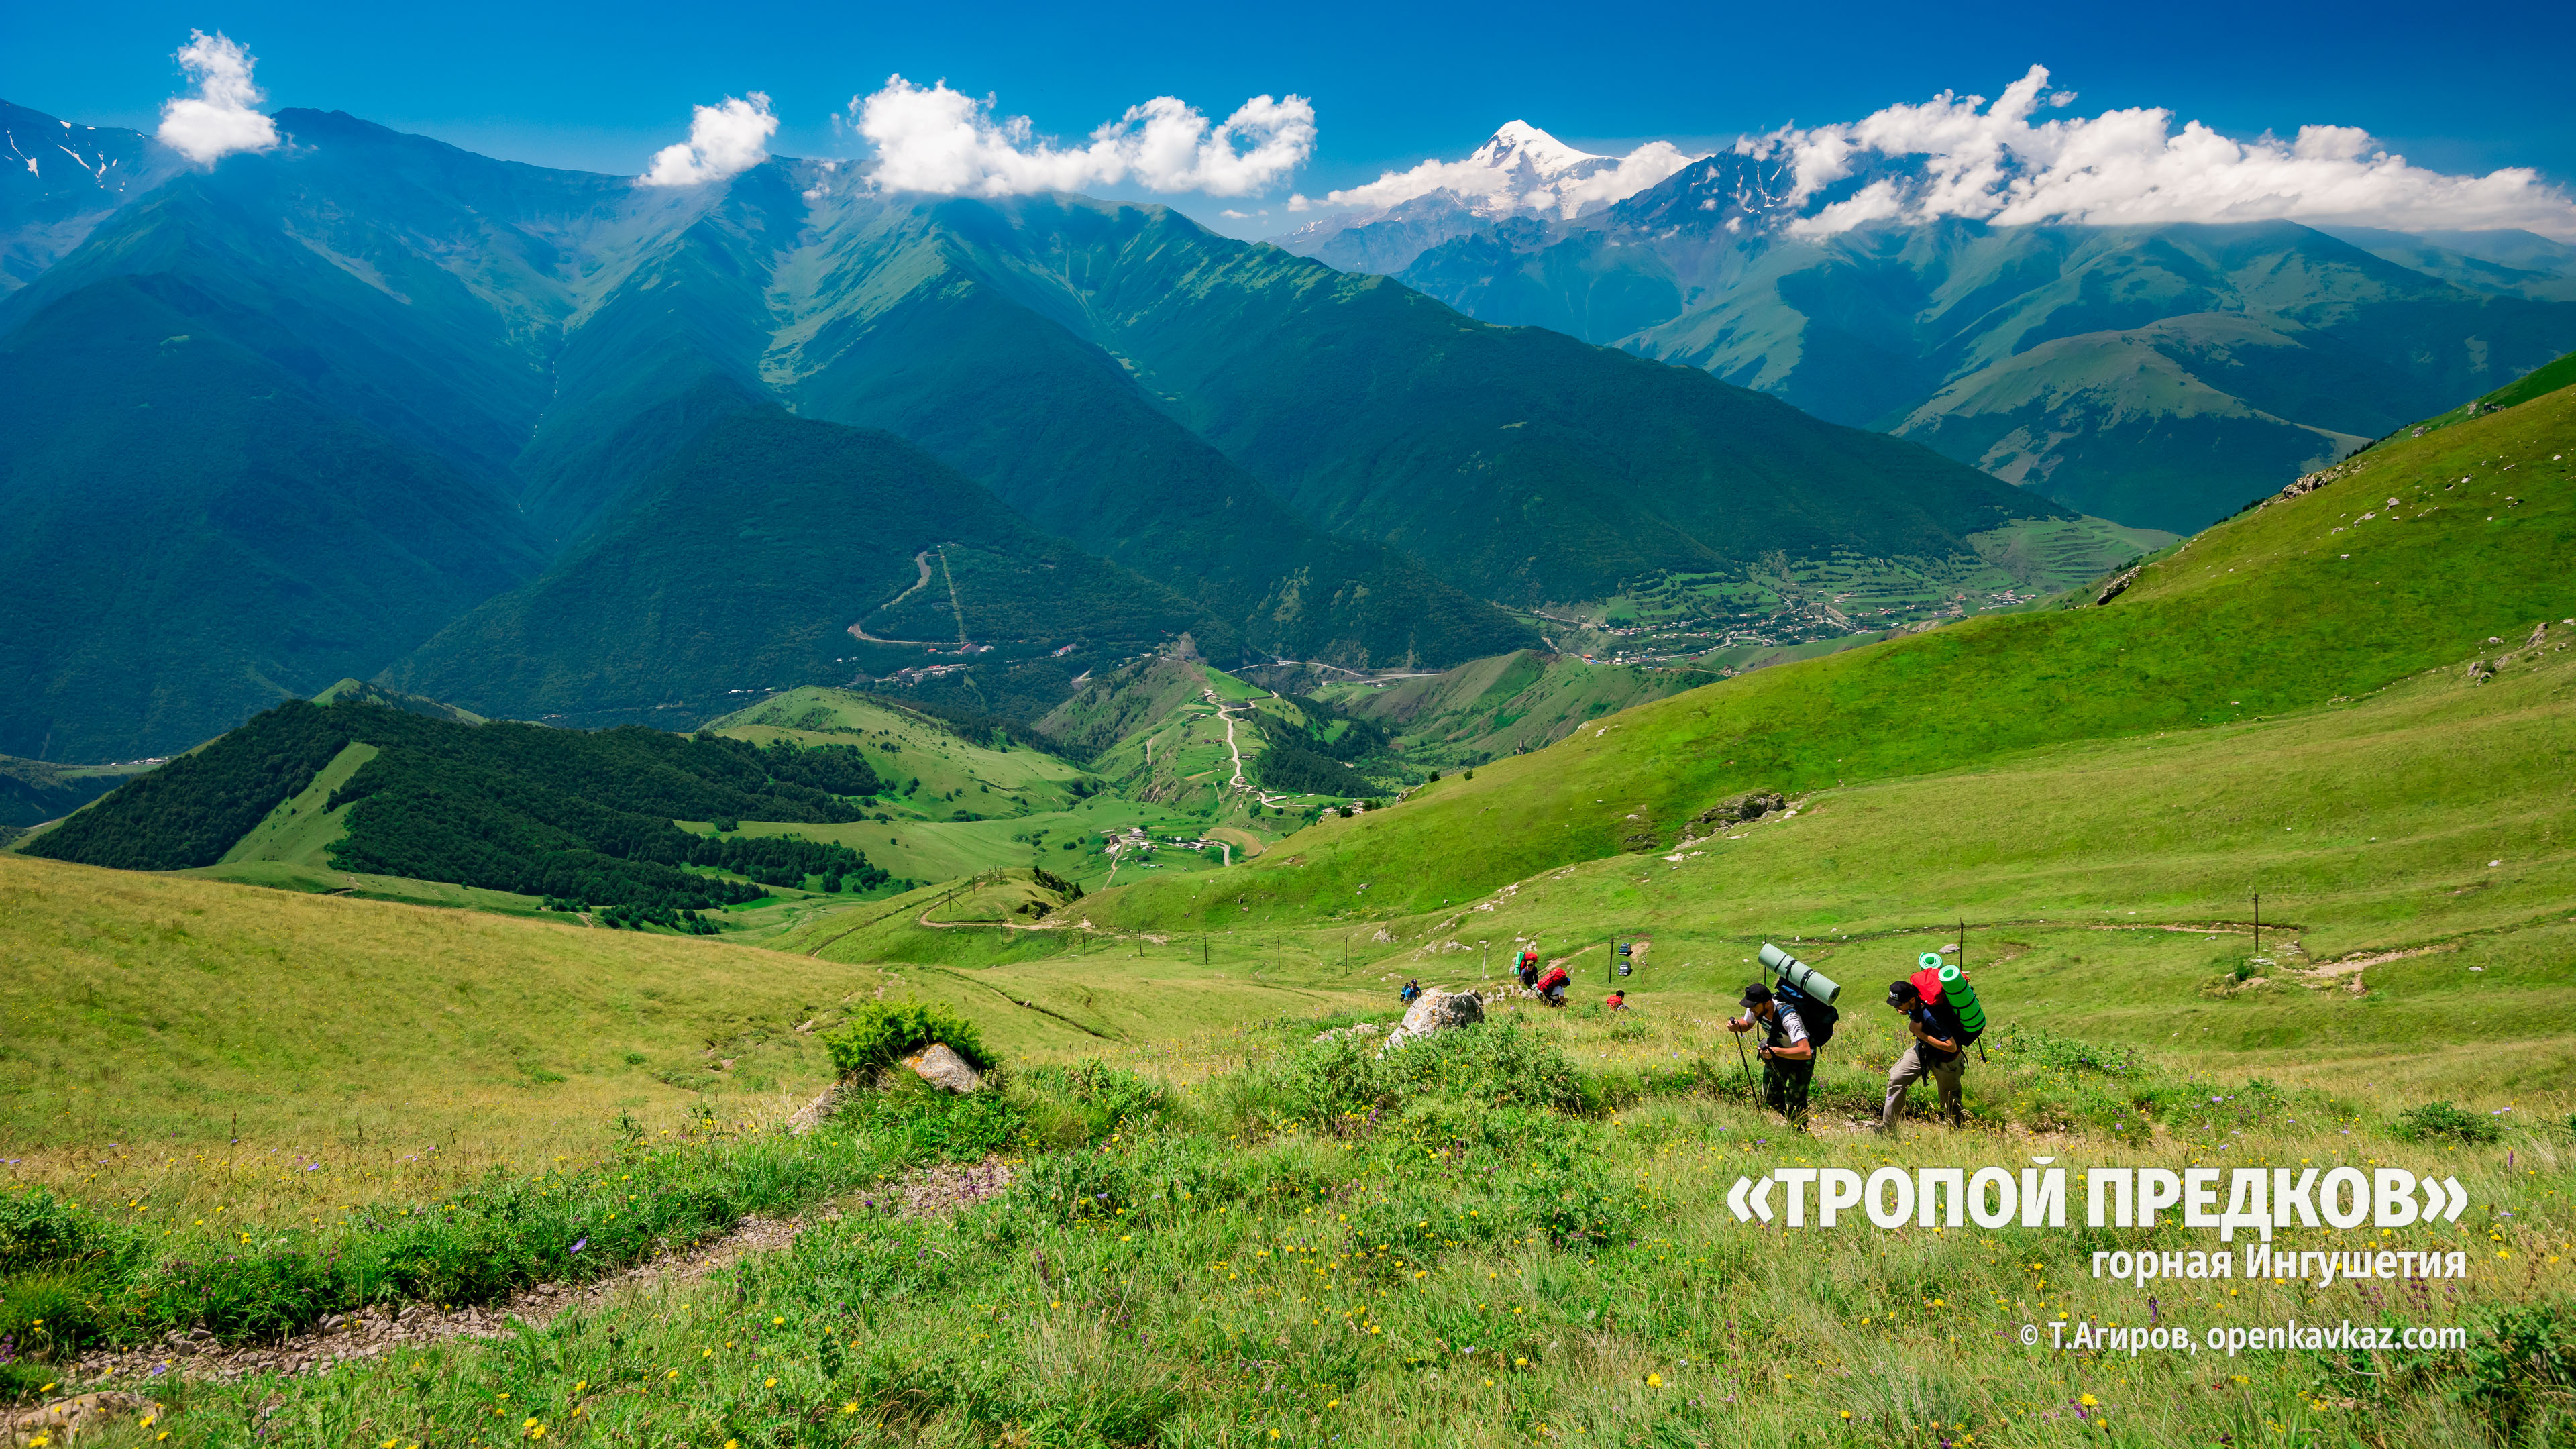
{"x": 1937, "y": 1053}
{"x": 1788, "y": 1059}
{"x": 1616, "y": 1001}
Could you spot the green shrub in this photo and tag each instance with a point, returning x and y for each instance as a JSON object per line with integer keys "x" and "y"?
{"x": 2436, "y": 1120}
{"x": 2527, "y": 1361}
{"x": 879, "y": 1035}
{"x": 36, "y": 1227}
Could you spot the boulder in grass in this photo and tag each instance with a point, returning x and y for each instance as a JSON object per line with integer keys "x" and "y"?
{"x": 940, "y": 1067}
{"x": 1734, "y": 810}
{"x": 1436, "y": 1011}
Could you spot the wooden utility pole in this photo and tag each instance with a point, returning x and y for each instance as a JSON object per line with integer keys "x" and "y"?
{"x": 2258, "y": 923}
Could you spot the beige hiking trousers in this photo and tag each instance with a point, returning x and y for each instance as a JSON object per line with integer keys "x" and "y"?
{"x": 1913, "y": 1067}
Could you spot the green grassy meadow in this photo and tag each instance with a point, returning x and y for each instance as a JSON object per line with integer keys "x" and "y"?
{"x": 956, "y": 776}
{"x": 1225, "y": 1229}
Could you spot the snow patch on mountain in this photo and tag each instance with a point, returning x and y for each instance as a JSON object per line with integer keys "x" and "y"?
{"x": 1519, "y": 169}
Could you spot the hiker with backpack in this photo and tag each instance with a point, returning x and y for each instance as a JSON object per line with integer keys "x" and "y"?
{"x": 1553, "y": 985}
{"x": 1411, "y": 990}
{"x": 1528, "y": 972}
{"x": 1788, "y": 1056}
{"x": 1940, "y": 1051}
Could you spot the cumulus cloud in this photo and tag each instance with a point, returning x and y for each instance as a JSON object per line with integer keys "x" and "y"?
{"x": 1521, "y": 169}
{"x": 1958, "y": 156}
{"x": 219, "y": 119}
{"x": 931, "y": 138}
{"x": 726, "y": 139}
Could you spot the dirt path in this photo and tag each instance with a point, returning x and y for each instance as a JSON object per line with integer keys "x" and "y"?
{"x": 375, "y": 1332}
{"x": 920, "y": 561}
{"x": 1237, "y": 750}
{"x": 955, "y": 609}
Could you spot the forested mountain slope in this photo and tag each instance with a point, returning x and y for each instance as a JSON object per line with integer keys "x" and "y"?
{"x": 746, "y": 562}
{"x": 445, "y": 371}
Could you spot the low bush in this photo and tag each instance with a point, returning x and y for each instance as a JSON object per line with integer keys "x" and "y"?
{"x": 2523, "y": 1366}
{"x": 37, "y": 1228}
{"x": 2437, "y": 1121}
{"x": 879, "y": 1035}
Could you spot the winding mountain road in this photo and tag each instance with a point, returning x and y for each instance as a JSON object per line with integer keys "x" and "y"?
{"x": 920, "y": 561}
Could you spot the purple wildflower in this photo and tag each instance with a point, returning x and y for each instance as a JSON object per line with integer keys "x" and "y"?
{"x": 577, "y": 1247}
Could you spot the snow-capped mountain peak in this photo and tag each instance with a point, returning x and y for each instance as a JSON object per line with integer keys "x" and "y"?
{"x": 1519, "y": 171}
{"x": 1521, "y": 147}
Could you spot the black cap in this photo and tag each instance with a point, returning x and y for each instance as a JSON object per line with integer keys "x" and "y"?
{"x": 1901, "y": 992}
{"x": 1756, "y": 994}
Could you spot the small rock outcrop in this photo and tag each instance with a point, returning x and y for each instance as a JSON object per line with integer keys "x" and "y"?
{"x": 1437, "y": 1011}
{"x": 1734, "y": 810}
{"x": 2117, "y": 586}
{"x": 940, "y": 1067}
{"x": 2309, "y": 483}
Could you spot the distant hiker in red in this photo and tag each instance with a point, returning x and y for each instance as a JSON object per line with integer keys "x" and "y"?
{"x": 1553, "y": 985}
{"x": 1616, "y": 1001}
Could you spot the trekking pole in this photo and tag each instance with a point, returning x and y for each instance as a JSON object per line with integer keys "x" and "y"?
{"x": 1747, "y": 1064}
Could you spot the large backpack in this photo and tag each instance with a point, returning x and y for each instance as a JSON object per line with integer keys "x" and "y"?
{"x": 1819, "y": 1016}
{"x": 1929, "y": 985}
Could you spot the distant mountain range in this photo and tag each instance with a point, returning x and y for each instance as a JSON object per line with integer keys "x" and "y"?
{"x": 544, "y": 442}
{"x": 2157, "y": 375}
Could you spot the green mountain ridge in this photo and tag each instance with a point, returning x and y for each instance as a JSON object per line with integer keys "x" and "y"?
{"x": 2324, "y": 595}
{"x": 1330, "y": 468}
{"x": 2221, "y": 351}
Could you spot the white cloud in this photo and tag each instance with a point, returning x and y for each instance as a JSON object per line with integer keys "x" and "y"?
{"x": 931, "y": 138}
{"x": 1521, "y": 169}
{"x": 219, "y": 118}
{"x": 724, "y": 140}
{"x": 2133, "y": 166}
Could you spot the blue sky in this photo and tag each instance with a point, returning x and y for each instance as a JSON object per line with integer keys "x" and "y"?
{"x": 601, "y": 87}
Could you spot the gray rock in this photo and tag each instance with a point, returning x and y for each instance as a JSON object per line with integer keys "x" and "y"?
{"x": 1735, "y": 810}
{"x": 940, "y": 1067}
{"x": 1437, "y": 1011}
